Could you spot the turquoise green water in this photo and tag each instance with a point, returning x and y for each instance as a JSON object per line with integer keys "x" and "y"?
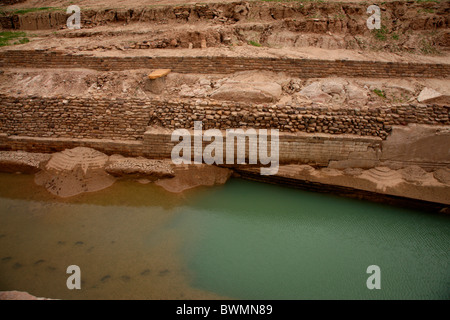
{"x": 243, "y": 240}
{"x": 255, "y": 241}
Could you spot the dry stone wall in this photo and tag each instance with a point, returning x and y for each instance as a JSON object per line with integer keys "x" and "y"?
{"x": 128, "y": 119}
{"x": 314, "y": 135}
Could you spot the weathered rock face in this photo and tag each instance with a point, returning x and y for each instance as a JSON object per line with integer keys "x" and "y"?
{"x": 311, "y": 90}
{"x": 191, "y": 176}
{"x": 334, "y": 87}
{"x": 336, "y": 91}
{"x": 356, "y": 95}
{"x": 401, "y": 84}
{"x": 188, "y": 92}
{"x": 443, "y": 176}
{"x": 119, "y": 166}
{"x": 414, "y": 143}
{"x": 314, "y": 93}
{"x": 75, "y": 171}
{"x": 155, "y": 86}
{"x": 20, "y": 161}
{"x": 256, "y": 92}
{"x": 428, "y": 95}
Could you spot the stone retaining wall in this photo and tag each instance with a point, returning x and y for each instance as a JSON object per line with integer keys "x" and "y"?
{"x": 293, "y": 148}
{"x": 303, "y": 68}
{"x": 337, "y": 151}
{"x": 128, "y": 119}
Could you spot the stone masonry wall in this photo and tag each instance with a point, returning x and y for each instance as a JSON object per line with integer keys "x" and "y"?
{"x": 128, "y": 119}
{"x": 317, "y": 149}
{"x": 304, "y": 68}
{"x": 293, "y": 148}
{"x": 74, "y": 117}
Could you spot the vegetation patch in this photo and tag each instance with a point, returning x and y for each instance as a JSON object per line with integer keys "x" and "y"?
{"x": 380, "y": 93}
{"x": 7, "y": 38}
{"x": 422, "y": 1}
{"x": 254, "y": 43}
{"x": 380, "y": 34}
{"x": 28, "y": 10}
{"x": 426, "y": 10}
{"x": 427, "y": 48}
